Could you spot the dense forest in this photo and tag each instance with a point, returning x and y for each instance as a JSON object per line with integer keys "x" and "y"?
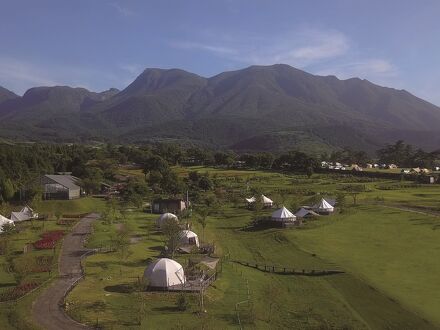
{"x": 22, "y": 165}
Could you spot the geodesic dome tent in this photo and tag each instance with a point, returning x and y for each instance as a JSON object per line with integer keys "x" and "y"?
{"x": 160, "y": 222}
{"x": 189, "y": 237}
{"x": 164, "y": 273}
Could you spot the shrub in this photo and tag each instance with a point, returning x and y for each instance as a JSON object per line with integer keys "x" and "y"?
{"x": 182, "y": 302}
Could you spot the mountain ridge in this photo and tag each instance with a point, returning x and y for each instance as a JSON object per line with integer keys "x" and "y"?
{"x": 248, "y": 105}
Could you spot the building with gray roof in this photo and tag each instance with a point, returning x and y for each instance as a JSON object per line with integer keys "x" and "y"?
{"x": 60, "y": 187}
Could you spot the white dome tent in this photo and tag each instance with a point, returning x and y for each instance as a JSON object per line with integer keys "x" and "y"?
{"x": 164, "y": 273}
{"x": 283, "y": 215}
{"x": 160, "y": 222}
{"x": 188, "y": 237}
{"x": 5, "y": 221}
{"x": 324, "y": 207}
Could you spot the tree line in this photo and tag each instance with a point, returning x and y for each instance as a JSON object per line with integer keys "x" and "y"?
{"x": 22, "y": 165}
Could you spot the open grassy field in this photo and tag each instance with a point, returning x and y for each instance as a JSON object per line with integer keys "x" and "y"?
{"x": 388, "y": 255}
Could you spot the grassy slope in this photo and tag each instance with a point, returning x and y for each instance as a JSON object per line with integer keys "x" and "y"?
{"x": 391, "y": 249}
{"x": 339, "y": 301}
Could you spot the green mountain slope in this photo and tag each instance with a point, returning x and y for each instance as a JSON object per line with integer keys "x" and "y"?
{"x": 256, "y": 108}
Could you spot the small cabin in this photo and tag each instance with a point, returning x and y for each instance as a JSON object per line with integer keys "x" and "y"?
{"x": 172, "y": 205}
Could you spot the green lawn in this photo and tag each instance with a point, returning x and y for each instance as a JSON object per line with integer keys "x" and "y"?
{"x": 388, "y": 255}
{"x": 393, "y": 250}
{"x": 390, "y": 259}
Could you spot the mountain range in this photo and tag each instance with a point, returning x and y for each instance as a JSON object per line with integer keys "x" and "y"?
{"x": 257, "y": 108}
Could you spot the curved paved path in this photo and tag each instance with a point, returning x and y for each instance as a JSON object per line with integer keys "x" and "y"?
{"x": 46, "y": 309}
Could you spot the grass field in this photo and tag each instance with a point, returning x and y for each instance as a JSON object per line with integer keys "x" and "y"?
{"x": 388, "y": 255}
{"x": 391, "y": 279}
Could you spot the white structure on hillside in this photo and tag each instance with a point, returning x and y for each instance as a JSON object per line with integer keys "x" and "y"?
{"x": 188, "y": 237}
{"x": 5, "y": 221}
{"x": 164, "y": 218}
{"x": 164, "y": 273}
{"x": 25, "y": 214}
{"x": 283, "y": 215}
{"x": 323, "y": 207}
{"x": 266, "y": 201}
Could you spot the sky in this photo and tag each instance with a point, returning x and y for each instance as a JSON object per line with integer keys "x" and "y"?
{"x": 99, "y": 44}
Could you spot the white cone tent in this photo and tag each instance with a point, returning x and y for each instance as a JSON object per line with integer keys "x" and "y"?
{"x": 266, "y": 201}
{"x": 283, "y": 215}
{"x": 189, "y": 237}
{"x": 164, "y": 273}
{"x": 250, "y": 200}
{"x": 166, "y": 217}
{"x": 324, "y": 207}
{"x": 5, "y": 221}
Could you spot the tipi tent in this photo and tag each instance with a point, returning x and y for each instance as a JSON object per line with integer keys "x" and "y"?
{"x": 188, "y": 237}
{"x": 283, "y": 215}
{"x": 305, "y": 213}
{"x": 164, "y": 218}
{"x": 324, "y": 207}
{"x": 267, "y": 202}
{"x": 5, "y": 221}
{"x": 164, "y": 273}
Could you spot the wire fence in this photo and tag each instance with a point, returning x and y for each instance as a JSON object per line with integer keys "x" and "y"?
{"x": 282, "y": 270}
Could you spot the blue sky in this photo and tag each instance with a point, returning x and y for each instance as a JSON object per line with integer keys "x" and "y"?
{"x": 100, "y": 44}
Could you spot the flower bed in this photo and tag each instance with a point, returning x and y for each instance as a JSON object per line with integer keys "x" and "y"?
{"x": 18, "y": 291}
{"x": 42, "y": 264}
{"x": 66, "y": 222}
{"x": 49, "y": 239}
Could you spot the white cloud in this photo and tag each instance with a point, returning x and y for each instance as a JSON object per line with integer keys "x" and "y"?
{"x": 375, "y": 66}
{"x": 220, "y": 50}
{"x": 322, "y": 45}
{"x": 299, "y": 48}
{"x": 379, "y": 71}
{"x": 124, "y": 11}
